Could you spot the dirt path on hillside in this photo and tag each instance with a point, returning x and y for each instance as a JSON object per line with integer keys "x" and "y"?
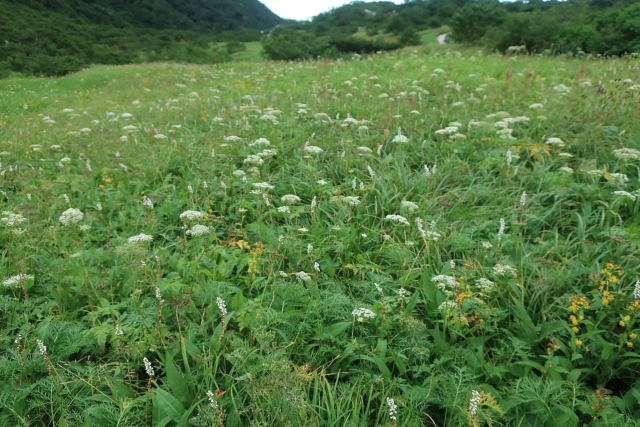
{"x": 442, "y": 38}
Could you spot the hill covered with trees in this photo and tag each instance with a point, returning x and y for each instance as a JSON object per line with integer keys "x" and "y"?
{"x": 53, "y": 37}
{"x": 610, "y": 27}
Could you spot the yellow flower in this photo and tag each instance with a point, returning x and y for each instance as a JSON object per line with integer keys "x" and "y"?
{"x": 633, "y": 336}
{"x": 622, "y": 323}
{"x": 627, "y": 318}
{"x": 579, "y": 342}
{"x": 576, "y": 329}
{"x": 629, "y": 344}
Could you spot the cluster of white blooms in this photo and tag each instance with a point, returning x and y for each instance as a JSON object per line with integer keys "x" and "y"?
{"x": 371, "y": 171}
{"x": 302, "y": 276}
{"x": 627, "y": 153}
{"x": 504, "y": 270}
{"x": 447, "y": 306}
{"x": 361, "y": 314}
{"x": 284, "y": 209}
{"x": 263, "y": 185}
{"x": 619, "y": 178}
{"x": 400, "y": 137}
{"x": 140, "y": 238}
{"x": 447, "y": 130}
{"x": 148, "y": 367}
{"x": 365, "y": 149}
{"x": 212, "y": 400}
{"x": 191, "y": 215}
{"x": 261, "y": 141}
{"x": 555, "y": 141}
{"x": 11, "y": 219}
{"x": 71, "y": 216}
{"x": 485, "y": 284}
{"x": 473, "y": 403}
{"x": 16, "y": 280}
{"x": 393, "y": 409}
{"x": 501, "y": 230}
{"x": 523, "y": 199}
{"x": 198, "y": 230}
{"x": 222, "y": 306}
{"x": 312, "y": 149}
{"x": 41, "y": 347}
{"x": 255, "y": 160}
{"x": 290, "y": 199}
{"x": 397, "y": 218}
{"x": 267, "y": 153}
{"x": 445, "y": 283}
{"x": 346, "y": 200}
{"x": 625, "y": 194}
{"x": 147, "y": 203}
{"x": 562, "y": 88}
{"x": 411, "y": 206}
{"x": 534, "y": 106}
{"x": 232, "y": 138}
{"x": 636, "y": 290}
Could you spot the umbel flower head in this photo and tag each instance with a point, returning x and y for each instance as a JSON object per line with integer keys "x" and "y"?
{"x": 290, "y": 199}
{"x": 71, "y": 216}
{"x": 191, "y": 216}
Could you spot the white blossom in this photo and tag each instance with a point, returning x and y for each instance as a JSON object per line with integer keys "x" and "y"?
{"x": 198, "y": 230}
{"x": 17, "y": 280}
{"x": 360, "y": 314}
{"x": 140, "y": 238}
{"x": 191, "y": 215}
{"x": 397, "y": 218}
{"x": 148, "y": 367}
{"x": 71, "y": 216}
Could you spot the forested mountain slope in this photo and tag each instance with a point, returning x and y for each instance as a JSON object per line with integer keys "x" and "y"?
{"x": 54, "y": 37}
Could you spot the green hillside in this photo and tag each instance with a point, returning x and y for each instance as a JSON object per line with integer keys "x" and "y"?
{"x": 55, "y": 37}
{"x": 193, "y": 15}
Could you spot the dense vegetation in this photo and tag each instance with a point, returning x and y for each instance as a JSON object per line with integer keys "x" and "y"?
{"x": 59, "y": 36}
{"x": 575, "y": 26}
{"x": 406, "y": 240}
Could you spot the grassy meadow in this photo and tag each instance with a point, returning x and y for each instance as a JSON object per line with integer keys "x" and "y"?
{"x": 430, "y": 237}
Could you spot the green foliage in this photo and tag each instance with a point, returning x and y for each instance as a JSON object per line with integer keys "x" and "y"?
{"x": 320, "y": 243}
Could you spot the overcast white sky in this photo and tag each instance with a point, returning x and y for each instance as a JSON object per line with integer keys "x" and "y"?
{"x": 303, "y": 9}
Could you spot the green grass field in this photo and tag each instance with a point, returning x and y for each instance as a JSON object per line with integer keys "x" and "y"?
{"x": 432, "y": 237}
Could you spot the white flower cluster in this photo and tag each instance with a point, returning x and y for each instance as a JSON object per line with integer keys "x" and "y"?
{"x": 148, "y": 367}
{"x": 484, "y": 284}
{"x": 636, "y": 290}
{"x": 302, "y": 276}
{"x": 393, "y": 409}
{"x": 41, "y": 347}
{"x": 361, "y": 314}
{"x": 11, "y": 219}
{"x": 555, "y": 141}
{"x": 191, "y": 215}
{"x": 312, "y": 149}
{"x": 71, "y": 216}
{"x": 473, "y": 403}
{"x": 222, "y": 306}
{"x": 140, "y": 238}
{"x": 411, "y": 206}
{"x": 446, "y": 284}
{"x": 400, "y": 137}
{"x": 504, "y": 270}
{"x": 290, "y": 199}
{"x": 627, "y": 153}
{"x": 16, "y": 280}
{"x": 625, "y": 194}
{"x": 346, "y": 200}
{"x": 397, "y": 218}
{"x": 256, "y": 160}
{"x": 198, "y": 230}
{"x": 263, "y": 185}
